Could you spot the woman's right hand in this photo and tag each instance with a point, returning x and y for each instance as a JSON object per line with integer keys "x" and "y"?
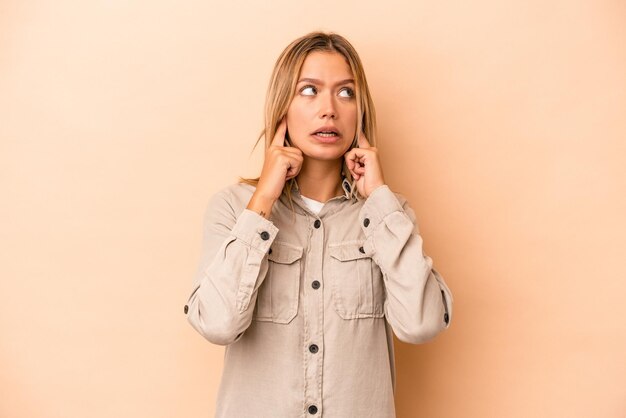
{"x": 281, "y": 163}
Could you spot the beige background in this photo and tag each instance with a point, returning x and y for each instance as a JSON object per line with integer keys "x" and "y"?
{"x": 502, "y": 122}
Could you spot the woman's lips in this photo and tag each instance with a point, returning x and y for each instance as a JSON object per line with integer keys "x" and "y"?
{"x": 325, "y": 138}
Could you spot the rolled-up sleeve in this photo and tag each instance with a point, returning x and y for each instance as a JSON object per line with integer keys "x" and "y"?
{"x": 233, "y": 265}
{"x": 418, "y": 303}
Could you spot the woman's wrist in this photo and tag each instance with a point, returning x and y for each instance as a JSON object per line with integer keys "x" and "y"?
{"x": 261, "y": 205}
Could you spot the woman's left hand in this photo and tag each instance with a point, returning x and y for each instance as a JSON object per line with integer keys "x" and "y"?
{"x": 365, "y": 167}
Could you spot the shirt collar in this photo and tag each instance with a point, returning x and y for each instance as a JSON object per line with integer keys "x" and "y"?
{"x": 345, "y": 185}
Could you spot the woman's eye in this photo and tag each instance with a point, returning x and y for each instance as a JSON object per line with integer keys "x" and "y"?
{"x": 308, "y": 90}
{"x": 346, "y": 92}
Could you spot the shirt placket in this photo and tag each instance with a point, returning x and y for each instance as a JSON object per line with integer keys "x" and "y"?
{"x": 314, "y": 320}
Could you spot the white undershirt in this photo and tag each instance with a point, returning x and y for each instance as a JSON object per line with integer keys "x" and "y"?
{"x": 314, "y": 205}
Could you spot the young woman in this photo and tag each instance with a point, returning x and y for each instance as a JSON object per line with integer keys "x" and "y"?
{"x": 309, "y": 270}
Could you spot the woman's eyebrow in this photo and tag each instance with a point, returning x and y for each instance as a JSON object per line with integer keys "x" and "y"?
{"x": 319, "y": 82}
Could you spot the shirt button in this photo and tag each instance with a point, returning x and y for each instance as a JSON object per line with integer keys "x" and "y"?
{"x": 317, "y": 223}
{"x": 186, "y": 309}
{"x": 265, "y": 235}
{"x": 366, "y": 222}
{"x": 315, "y": 284}
{"x": 446, "y": 317}
{"x": 312, "y": 409}
{"x": 313, "y": 348}
{"x": 361, "y": 250}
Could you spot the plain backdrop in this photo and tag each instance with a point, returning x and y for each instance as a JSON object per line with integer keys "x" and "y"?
{"x": 503, "y": 123}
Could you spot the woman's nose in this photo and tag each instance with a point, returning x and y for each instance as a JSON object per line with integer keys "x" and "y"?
{"x": 328, "y": 109}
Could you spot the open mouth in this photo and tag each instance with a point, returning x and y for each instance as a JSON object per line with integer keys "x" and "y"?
{"x": 327, "y": 131}
{"x": 326, "y": 134}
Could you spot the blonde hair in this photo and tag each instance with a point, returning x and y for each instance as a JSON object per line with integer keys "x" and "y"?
{"x": 282, "y": 90}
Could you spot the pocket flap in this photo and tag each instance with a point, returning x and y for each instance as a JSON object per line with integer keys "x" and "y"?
{"x": 284, "y": 253}
{"x": 347, "y": 251}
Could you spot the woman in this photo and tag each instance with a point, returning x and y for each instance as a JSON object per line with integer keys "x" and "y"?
{"x": 308, "y": 270}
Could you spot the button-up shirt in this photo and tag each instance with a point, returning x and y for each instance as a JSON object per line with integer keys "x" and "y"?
{"x": 307, "y": 304}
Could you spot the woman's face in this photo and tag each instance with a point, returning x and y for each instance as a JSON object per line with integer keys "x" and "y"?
{"x": 322, "y": 117}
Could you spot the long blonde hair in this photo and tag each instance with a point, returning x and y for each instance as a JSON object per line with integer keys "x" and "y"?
{"x": 282, "y": 88}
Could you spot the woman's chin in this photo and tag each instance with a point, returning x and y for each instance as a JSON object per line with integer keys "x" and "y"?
{"x": 323, "y": 152}
{"x": 323, "y": 155}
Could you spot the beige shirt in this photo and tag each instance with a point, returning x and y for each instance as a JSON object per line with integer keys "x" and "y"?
{"x": 306, "y": 304}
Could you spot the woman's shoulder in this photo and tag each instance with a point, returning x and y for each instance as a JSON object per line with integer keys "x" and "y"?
{"x": 228, "y": 202}
{"x": 384, "y": 192}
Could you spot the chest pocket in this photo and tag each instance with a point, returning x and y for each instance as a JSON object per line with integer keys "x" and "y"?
{"x": 277, "y": 300}
{"x": 356, "y": 282}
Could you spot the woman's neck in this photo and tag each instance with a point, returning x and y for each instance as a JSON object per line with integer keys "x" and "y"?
{"x": 320, "y": 180}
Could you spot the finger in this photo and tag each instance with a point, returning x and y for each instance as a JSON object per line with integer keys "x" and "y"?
{"x": 356, "y": 174}
{"x": 355, "y": 163}
{"x": 357, "y": 154}
{"x": 292, "y": 150}
{"x": 279, "y": 137}
{"x": 362, "y": 141}
{"x": 349, "y": 158}
{"x": 290, "y": 161}
{"x": 359, "y": 161}
{"x": 294, "y": 169}
{"x": 286, "y": 152}
{"x": 294, "y": 159}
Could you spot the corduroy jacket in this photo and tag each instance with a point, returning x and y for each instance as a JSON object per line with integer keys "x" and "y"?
{"x": 306, "y": 304}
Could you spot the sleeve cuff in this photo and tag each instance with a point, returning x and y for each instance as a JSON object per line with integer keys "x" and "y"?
{"x": 255, "y": 230}
{"x": 380, "y": 203}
